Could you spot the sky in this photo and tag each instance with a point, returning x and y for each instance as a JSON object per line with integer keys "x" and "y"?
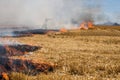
{"x": 112, "y": 9}
{"x": 57, "y": 12}
{"x": 112, "y": 6}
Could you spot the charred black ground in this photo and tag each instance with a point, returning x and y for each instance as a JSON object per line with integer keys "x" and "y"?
{"x": 16, "y": 50}
{"x": 22, "y": 31}
{"x": 27, "y": 66}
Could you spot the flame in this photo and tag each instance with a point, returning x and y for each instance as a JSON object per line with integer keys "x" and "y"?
{"x": 12, "y": 51}
{"x": 63, "y": 30}
{"x": 17, "y": 50}
{"x": 5, "y": 76}
{"x": 86, "y": 25}
{"x": 21, "y": 63}
{"x": 90, "y": 24}
{"x": 83, "y": 25}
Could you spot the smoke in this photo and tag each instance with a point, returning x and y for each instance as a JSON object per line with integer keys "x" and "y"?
{"x": 48, "y": 13}
{"x": 89, "y": 11}
{"x": 8, "y": 42}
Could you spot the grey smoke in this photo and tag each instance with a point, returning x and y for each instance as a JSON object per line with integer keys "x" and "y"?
{"x": 50, "y": 13}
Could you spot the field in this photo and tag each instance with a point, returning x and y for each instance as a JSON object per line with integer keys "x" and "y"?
{"x": 78, "y": 54}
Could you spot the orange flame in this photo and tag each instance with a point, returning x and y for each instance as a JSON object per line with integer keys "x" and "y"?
{"x": 83, "y": 26}
{"x": 63, "y": 30}
{"x": 12, "y": 51}
{"x": 86, "y": 25}
{"x": 5, "y": 76}
{"x": 90, "y": 24}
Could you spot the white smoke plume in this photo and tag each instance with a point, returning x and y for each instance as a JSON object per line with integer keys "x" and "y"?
{"x": 48, "y": 13}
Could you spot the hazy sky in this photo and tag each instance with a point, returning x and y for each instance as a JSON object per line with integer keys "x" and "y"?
{"x": 35, "y": 12}
{"x": 112, "y": 6}
{"x": 112, "y": 9}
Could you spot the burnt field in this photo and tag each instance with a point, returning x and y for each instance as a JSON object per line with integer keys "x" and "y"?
{"x": 22, "y": 31}
{"x": 92, "y": 54}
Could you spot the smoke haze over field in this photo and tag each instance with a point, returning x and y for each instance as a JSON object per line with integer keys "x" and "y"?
{"x": 49, "y": 13}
